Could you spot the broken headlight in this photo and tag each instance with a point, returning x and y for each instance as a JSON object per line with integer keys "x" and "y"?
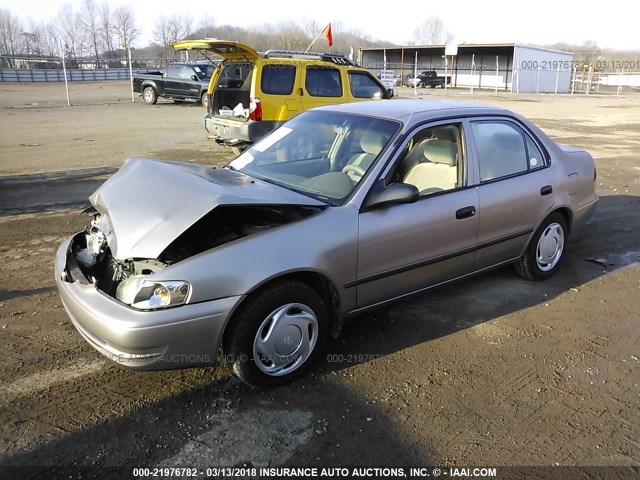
{"x": 145, "y": 294}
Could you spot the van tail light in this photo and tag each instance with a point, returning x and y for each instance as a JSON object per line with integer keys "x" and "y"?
{"x": 255, "y": 109}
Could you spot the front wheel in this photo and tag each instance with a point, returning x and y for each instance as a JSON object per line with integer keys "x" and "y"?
{"x": 276, "y": 334}
{"x": 149, "y": 96}
{"x": 544, "y": 252}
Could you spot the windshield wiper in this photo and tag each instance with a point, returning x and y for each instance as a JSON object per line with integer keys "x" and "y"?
{"x": 228, "y": 166}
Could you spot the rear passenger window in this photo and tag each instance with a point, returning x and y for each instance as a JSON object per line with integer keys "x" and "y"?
{"x": 186, "y": 72}
{"x": 363, "y": 86}
{"x": 173, "y": 71}
{"x": 501, "y": 149}
{"x": 534, "y": 155}
{"x": 323, "y": 82}
{"x": 278, "y": 79}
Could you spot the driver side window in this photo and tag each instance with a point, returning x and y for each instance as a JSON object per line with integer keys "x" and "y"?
{"x": 432, "y": 160}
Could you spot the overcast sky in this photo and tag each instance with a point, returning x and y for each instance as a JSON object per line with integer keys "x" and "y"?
{"x": 610, "y": 24}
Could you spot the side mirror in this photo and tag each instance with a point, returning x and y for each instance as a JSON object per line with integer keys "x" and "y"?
{"x": 194, "y": 77}
{"x": 393, "y": 194}
{"x": 390, "y": 93}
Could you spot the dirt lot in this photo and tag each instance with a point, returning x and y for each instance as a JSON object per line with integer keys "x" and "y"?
{"x": 491, "y": 371}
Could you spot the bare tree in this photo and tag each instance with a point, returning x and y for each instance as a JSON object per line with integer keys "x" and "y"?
{"x": 161, "y": 34}
{"x": 107, "y": 27}
{"x": 125, "y": 25}
{"x": 187, "y": 26}
{"x": 291, "y": 36}
{"x": 205, "y": 28}
{"x": 50, "y": 39}
{"x": 432, "y": 32}
{"x": 168, "y": 30}
{"x": 10, "y": 31}
{"x": 90, "y": 23}
{"x": 69, "y": 30}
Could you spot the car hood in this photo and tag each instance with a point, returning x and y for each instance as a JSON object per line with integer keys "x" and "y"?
{"x": 148, "y": 203}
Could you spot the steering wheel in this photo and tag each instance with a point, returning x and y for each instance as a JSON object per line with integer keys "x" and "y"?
{"x": 355, "y": 169}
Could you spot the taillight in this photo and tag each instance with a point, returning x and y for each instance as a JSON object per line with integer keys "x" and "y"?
{"x": 255, "y": 109}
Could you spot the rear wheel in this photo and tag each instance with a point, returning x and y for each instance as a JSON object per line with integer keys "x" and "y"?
{"x": 276, "y": 334}
{"x": 204, "y": 100}
{"x": 149, "y": 96}
{"x": 544, "y": 252}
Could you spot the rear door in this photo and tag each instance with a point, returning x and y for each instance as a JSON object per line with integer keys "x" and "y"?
{"x": 187, "y": 86}
{"x": 277, "y": 87}
{"x": 516, "y": 189}
{"x": 321, "y": 85}
{"x": 172, "y": 80}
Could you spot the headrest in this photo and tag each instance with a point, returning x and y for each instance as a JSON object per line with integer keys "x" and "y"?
{"x": 372, "y": 143}
{"x": 440, "y": 151}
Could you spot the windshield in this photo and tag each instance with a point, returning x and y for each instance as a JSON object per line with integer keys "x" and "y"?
{"x": 321, "y": 154}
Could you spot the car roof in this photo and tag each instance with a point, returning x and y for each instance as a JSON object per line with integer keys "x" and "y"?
{"x": 399, "y": 109}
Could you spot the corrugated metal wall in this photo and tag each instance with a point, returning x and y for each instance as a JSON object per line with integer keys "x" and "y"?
{"x": 538, "y": 70}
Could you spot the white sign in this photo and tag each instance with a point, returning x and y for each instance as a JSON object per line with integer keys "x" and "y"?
{"x": 386, "y": 77}
{"x": 451, "y": 49}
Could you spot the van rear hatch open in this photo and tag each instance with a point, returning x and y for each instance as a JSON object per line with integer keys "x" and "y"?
{"x": 230, "y": 88}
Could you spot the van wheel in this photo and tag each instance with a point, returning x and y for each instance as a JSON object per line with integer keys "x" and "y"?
{"x": 276, "y": 334}
{"x": 544, "y": 252}
{"x": 149, "y": 96}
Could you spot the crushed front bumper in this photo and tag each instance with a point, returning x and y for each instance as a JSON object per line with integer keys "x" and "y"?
{"x": 178, "y": 337}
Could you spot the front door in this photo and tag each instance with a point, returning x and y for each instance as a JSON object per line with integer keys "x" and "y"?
{"x": 405, "y": 248}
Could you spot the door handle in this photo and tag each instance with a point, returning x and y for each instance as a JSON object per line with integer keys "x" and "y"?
{"x": 465, "y": 212}
{"x": 300, "y": 91}
{"x": 546, "y": 190}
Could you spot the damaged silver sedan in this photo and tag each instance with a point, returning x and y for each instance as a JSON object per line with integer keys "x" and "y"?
{"x": 341, "y": 210}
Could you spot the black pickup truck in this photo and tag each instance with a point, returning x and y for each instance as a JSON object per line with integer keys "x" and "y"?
{"x": 178, "y": 81}
{"x": 431, "y": 79}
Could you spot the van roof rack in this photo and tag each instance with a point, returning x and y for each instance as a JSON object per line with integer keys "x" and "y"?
{"x": 337, "y": 58}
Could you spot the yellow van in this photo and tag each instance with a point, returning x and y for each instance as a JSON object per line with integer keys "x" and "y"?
{"x": 251, "y": 93}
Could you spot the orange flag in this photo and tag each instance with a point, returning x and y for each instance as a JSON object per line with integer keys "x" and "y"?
{"x": 327, "y": 33}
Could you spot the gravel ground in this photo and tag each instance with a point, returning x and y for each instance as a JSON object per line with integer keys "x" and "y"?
{"x": 491, "y": 371}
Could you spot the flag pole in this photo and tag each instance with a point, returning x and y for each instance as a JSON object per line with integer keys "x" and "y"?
{"x": 314, "y": 41}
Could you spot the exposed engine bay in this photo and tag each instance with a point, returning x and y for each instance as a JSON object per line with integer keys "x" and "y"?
{"x": 223, "y": 224}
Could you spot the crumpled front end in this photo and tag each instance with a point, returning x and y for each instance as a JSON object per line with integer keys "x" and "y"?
{"x": 138, "y": 339}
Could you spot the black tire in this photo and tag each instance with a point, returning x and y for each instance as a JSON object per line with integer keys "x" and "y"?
{"x": 529, "y": 266}
{"x": 253, "y": 316}
{"x": 433, "y": 85}
{"x": 204, "y": 99}
{"x": 149, "y": 96}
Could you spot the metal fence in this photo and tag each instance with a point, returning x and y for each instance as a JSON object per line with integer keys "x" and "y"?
{"x": 28, "y": 68}
{"x": 73, "y": 75}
